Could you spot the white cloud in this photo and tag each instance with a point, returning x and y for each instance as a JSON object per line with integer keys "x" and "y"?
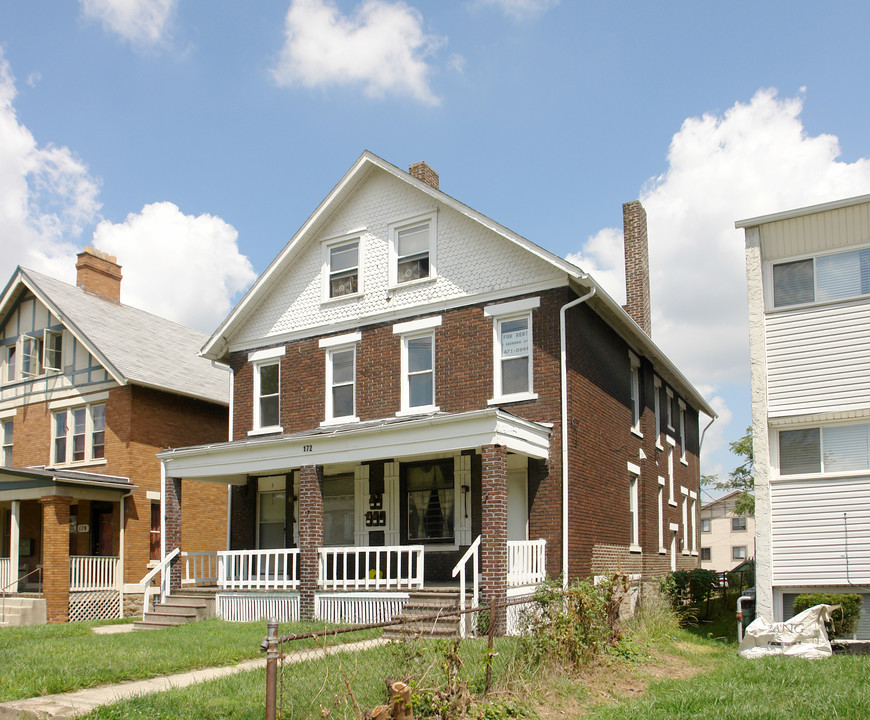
{"x": 178, "y": 266}
{"x": 521, "y": 9}
{"x": 753, "y": 159}
{"x": 143, "y": 23}
{"x": 382, "y": 47}
{"x": 47, "y": 196}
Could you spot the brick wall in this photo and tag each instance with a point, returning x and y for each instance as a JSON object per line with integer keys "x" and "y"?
{"x": 599, "y": 416}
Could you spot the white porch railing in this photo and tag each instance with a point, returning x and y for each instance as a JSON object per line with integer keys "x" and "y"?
{"x": 527, "y": 562}
{"x": 199, "y": 568}
{"x": 5, "y": 572}
{"x": 258, "y": 569}
{"x": 91, "y": 572}
{"x": 473, "y": 554}
{"x": 370, "y": 567}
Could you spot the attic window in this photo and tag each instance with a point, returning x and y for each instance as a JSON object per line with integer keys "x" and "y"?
{"x": 31, "y": 356}
{"x": 413, "y": 250}
{"x": 52, "y": 358}
{"x": 343, "y": 268}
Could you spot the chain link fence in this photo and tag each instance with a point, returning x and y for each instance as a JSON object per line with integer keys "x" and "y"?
{"x": 377, "y": 671}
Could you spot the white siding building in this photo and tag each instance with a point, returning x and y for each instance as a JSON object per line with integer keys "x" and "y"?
{"x": 726, "y": 539}
{"x": 808, "y": 273}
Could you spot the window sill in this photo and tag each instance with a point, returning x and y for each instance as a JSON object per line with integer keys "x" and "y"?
{"x": 516, "y": 397}
{"x": 637, "y": 433}
{"x": 686, "y": 553}
{"x": 340, "y": 421}
{"x": 673, "y": 503}
{"x": 340, "y": 298}
{"x": 271, "y": 430}
{"x": 663, "y": 551}
{"x": 694, "y": 553}
{"x": 685, "y": 462}
{"x": 635, "y": 548}
{"x": 81, "y": 463}
{"x": 659, "y": 445}
{"x": 422, "y": 410}
{"x": 394, "y": 286}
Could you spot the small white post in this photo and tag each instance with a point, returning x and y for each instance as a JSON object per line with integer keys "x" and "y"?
{"x": 14, "y": 542}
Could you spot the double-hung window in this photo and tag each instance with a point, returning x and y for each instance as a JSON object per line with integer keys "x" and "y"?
{"x": 342, "y": 259}
{"x": 6, "y": 427}
{"x": 267, "y": 389}
{"x": 738, "y": 552}
{"x": 341, "y": 377}
{"x": 837, "y": 276}
{"x": 634, "y": 508}
{"x": 418, "y": 365}
{"x": 79, "y": 434}
{"x": 412, "y": 250}
{"x": 512, "y": 350}
{"x": 738, "y": 524}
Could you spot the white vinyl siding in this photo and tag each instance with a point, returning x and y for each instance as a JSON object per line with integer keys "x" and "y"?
{"x": 811, "y": 538}
{"x": 818, "y": 359}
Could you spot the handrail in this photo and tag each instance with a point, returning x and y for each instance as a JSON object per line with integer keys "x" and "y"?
{"x": 459, "y": 569}
{"x": 157, "y": 568}
{"x": 9, "y": 585}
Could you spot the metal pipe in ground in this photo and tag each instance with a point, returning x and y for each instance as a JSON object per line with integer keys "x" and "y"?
{"x": 490, "y": 654}
{"x": 271, "y": 643}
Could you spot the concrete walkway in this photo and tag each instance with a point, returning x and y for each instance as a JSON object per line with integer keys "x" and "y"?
{"x": 81, "y": 702}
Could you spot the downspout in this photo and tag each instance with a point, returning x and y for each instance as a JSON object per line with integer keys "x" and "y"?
{"x": 563, "y": 317}
{"x": 164, "y": 577}
{"x": 122, "y": 554}
{"x": 703, "y": 433}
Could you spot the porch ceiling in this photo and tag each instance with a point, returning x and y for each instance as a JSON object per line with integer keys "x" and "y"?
{"x": 397, "y": 438}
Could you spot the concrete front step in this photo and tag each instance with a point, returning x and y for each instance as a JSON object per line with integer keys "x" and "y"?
{"x": 179, "y": 609}
{"x": 20, "y": 611}
{"x": 426, "y": 604}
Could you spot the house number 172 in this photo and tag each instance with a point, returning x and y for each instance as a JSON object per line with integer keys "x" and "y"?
{"x": 307, "y": 448}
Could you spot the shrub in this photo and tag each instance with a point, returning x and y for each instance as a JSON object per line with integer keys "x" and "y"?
{"x": 845, "y": 619}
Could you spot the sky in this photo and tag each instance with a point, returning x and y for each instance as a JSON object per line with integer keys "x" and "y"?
{"x": 192, "y": 139}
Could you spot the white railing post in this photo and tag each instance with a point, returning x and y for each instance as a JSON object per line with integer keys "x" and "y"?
{"x": 472, "y": 553}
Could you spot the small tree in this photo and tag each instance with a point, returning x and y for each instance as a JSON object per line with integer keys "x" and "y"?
{"x": 741, "y": 478}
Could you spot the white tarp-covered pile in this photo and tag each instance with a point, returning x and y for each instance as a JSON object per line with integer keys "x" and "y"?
{"x": 802, "y": 636}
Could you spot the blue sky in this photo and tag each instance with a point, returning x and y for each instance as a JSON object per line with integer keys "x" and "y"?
{"x": 192, "y": 139}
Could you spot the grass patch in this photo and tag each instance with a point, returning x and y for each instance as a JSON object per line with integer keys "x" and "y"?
{"x": 61, "y": 658}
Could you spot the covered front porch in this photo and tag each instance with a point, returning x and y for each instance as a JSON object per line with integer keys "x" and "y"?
{"x": 348, "y": 520}
{"x": 60, "y": 540}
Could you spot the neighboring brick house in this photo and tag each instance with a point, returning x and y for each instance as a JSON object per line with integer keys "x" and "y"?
{"x": 808, "y": 277}
{"x": 90, "y": 391}
{"x": 398, "y": 382}
{"x": 727, "y": 540}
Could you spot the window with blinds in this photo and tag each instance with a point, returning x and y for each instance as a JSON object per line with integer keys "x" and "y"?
{"x": 828, "y": 277}
{"x": 834, "y": 449}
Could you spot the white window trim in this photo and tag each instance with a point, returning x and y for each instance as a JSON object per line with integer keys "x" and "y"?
{"x": 693, "y": 511}
{"x": 662, "y": 548}
{"x": 46, "y": 333}
{"x": 657, "y": 387}
{"x": 685, "y": 494}
{"x": 326, "y": 246}
{"x": 635, "y": 394}
{"x": 89, "y": 459}
{"x": 394, "y": 228}
{"x": 413, "y": 326}
{"x": 264, "y": 360}
{"x": 339, "y": 340}
{"x": 331, "y": 348}
{"x": 152, "y": 495}
{"x": 91, "y": 399}
{"x": 500, "y": 315}
{"x": 634, "y": 505}
{"x": 669, "y": 410}
{"x": 5, "y": 442}
{"x": 671, "y": 443}
{"x": 267, "y": 354}
{"x": 406, "y": 409}
{"x": 683, "y": 458}
{"x": 37, "y": 357}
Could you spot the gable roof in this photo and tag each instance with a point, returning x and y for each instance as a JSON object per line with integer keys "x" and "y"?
{"x": 134, "y": 346}
{"x": 217, "y": 345}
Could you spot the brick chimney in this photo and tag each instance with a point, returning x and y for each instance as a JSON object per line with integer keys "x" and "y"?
{"x": 422, "y": 171}
{"x": 637, "y": 297}
{"x": 99, "y": 273}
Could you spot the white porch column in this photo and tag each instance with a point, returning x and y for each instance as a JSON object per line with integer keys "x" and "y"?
{"x": 14, "y": 536}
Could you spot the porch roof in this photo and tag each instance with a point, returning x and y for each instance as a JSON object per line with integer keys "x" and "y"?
{"x": 401, "y": 437}
{"x": 33, "y": 483}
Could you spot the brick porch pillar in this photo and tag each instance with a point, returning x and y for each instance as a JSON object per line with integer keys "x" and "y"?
{"x": 55, "y": 557}
{"x": 310, "y": 535}
{"x": 493, "y": 541}
{"x": 172, "y": 526}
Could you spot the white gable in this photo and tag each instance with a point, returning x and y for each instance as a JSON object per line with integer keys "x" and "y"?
{"x": 474, "y": 263}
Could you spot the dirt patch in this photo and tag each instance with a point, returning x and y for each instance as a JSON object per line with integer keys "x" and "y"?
{"x": 611, "y": 682}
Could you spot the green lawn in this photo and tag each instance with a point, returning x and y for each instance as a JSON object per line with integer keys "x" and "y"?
{"x": 61, "y": 658}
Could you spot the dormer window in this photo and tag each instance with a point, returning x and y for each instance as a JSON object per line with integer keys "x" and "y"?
{"x": 412, "y": 250}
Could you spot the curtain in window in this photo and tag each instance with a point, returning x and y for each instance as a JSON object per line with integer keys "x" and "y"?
{"x": 431, "y": 501}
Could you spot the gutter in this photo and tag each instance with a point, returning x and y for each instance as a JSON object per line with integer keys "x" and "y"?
{"x": 563, "y": 313}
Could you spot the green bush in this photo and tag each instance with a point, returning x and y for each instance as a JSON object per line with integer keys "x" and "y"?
{"x": 845, "y": 619}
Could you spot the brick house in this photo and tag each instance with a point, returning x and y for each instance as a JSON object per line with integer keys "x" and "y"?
{"x": 412, "y": 383}
{"x": 90, "y": 391}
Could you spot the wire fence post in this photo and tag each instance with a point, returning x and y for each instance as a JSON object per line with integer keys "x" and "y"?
{"x": 489, "y": 654}
{"x": 271, "y": 642}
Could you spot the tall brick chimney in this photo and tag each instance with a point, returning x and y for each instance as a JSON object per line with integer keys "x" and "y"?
{"x": 637, "y": 297}
{"x": 99, "y": 273}
{"x": 422, "y": 171}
